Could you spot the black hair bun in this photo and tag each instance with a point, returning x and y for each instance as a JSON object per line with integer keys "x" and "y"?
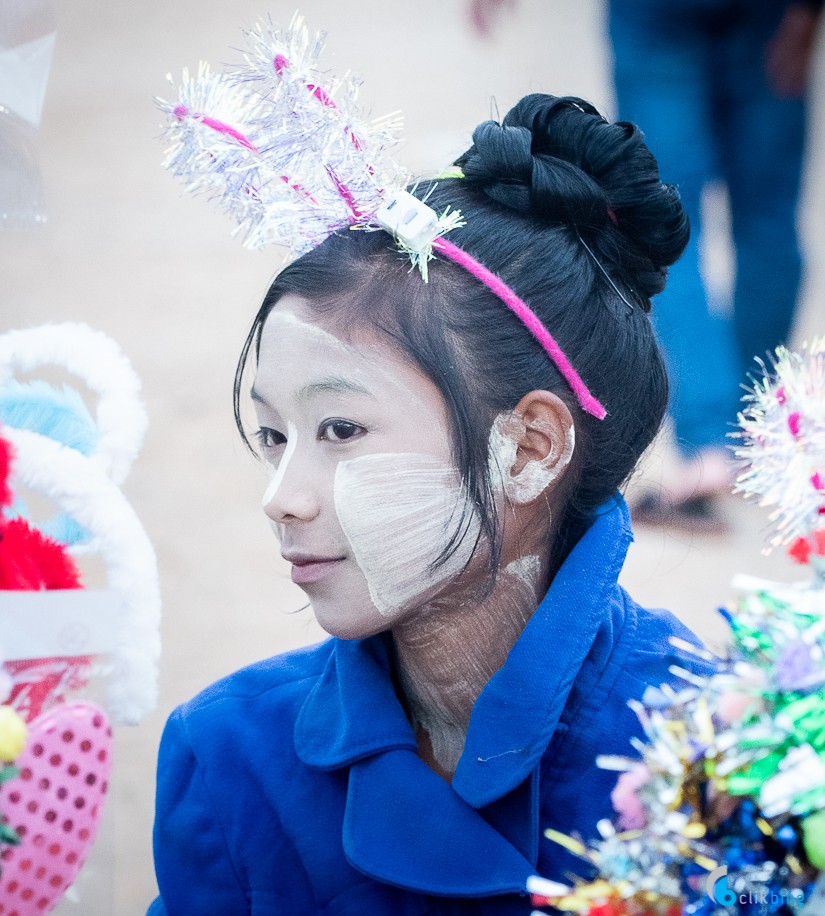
{"x": 557, "y": 159}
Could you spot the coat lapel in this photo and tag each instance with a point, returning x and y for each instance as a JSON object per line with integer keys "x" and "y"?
{"x": 352, "y": 711}
{"x": 405, "y": 826}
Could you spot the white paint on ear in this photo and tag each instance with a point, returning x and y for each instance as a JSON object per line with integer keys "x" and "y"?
{"x": 283, "y": 464}
{"x": 537, "y": 474}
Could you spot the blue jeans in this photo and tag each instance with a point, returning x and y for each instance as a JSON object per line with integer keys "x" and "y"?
{"x": 691, "y": 74}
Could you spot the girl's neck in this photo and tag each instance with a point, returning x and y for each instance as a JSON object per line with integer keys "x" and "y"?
{"x": 449, "y": 651}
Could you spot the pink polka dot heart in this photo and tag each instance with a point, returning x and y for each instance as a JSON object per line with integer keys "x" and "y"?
{"x": 55, "y": 805}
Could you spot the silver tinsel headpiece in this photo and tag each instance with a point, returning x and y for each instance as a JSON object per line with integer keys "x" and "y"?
{"x": 289, "y": 154}
{"x": 288, "y": 151}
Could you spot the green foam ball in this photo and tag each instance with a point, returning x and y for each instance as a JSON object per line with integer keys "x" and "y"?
{"x": 813, "y": 839}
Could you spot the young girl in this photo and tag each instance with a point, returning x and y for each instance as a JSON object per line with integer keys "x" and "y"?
{"x": 447, "y": 494}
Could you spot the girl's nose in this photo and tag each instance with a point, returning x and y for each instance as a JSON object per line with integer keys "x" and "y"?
{"x": 289, "y": 494}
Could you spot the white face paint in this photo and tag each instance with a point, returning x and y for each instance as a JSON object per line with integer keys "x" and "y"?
{"x": 276, "y": 472}
{"x": 536, "y": 475}
{"x": 363, "y": 490}
{"x": 399, "y": 512}
{"x": 364, "y": 495}
{"x": 525, "y": 570}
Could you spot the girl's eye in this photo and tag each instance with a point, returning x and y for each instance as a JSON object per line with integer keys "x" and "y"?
{"x": 269, "y": 438}
{"x": 339, "y": 430}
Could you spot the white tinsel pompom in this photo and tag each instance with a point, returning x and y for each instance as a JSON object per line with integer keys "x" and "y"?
{"x": 783, "y": 433}
{"x": 210, "y": 147}
{"x": 287, "y": 151}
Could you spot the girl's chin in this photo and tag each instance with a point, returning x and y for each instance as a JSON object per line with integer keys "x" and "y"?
{"x": 346, "y": 623}
{"x": 352, "y": 619}
{"x": 347, "y": 611}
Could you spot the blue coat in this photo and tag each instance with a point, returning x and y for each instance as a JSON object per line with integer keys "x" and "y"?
{"x": 293, "y": 786}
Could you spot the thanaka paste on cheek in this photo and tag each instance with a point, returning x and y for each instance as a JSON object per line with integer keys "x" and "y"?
{"x": 399, "y": 512}
{"x": 537, "y": 474}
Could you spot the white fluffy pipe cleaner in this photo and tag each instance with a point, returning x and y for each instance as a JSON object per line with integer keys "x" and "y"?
{"x": 290, "y": 153}
{"x": 100, "y": 363}
{"x": 81, "y": 489}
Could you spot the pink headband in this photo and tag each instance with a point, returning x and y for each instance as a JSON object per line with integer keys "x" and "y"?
{"x": 529, "y": 319}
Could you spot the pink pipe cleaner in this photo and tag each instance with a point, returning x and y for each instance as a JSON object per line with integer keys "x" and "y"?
{"x": 280, "y": 63}
{"x": 181, "y": 111}
{"x": 346, "y": 195}
{"x": 529, "y": 319}
{"x": 794, "y": 423}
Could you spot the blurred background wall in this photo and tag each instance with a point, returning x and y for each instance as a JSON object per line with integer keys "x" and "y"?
{"x": 126, "y": 252}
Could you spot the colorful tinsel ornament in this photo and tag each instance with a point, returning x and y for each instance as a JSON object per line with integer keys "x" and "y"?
{"x": 783, "y": 447}
{"x": 732, "y": 770}
{"x": 732, "y": 774}
{"x": 598, "y": 899}
{"x": 288, "y": 151}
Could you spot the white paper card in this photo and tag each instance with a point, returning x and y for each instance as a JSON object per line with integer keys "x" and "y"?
{"x": 45, "y": 624}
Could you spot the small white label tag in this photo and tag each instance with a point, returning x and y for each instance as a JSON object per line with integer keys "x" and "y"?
{"x": 56, "y": 623}
{"x": 410, "y": 220}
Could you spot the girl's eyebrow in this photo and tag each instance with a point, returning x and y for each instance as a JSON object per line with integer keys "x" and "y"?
{"x": 335, "y": 384}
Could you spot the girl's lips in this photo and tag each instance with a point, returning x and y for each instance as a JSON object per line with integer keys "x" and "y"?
{"x": 304, "y": 571}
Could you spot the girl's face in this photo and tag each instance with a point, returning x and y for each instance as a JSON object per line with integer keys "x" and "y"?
{"x": 363, "y": 493}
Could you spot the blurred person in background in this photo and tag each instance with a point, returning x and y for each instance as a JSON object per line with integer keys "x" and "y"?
{"x": 720, "y": 87}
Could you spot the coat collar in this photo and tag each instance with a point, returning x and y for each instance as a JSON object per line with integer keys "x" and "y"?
{"x": 352, "y": 711}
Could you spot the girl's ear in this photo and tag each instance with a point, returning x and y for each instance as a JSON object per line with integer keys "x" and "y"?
{"x": 533, "y": 445}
